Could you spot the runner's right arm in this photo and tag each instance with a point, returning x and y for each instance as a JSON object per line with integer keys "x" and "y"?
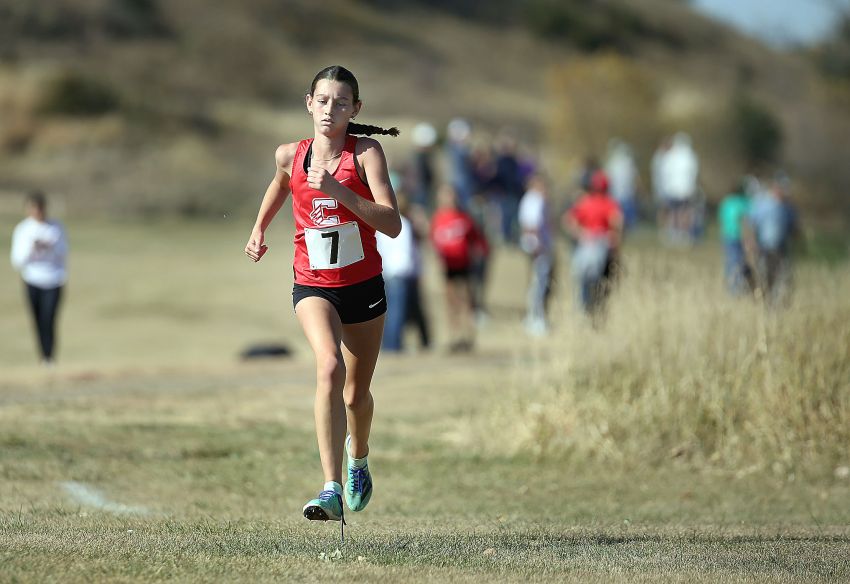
{"x": 273, "y": 200}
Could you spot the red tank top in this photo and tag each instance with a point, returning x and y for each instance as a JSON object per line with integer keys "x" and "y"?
{"x": 595, "y": 213}
{"x": 456, "y": 238}
{"x": 333, "y": 247}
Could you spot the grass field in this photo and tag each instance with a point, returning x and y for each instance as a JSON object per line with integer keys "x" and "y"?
{"x": 151, "y": 453}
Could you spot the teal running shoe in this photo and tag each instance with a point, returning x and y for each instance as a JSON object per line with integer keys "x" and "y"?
{"x": 358, "y": 487}
{"x": 326, "y": 507}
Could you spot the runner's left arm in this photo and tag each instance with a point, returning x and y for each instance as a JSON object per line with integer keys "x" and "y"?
{"x": 382, "y": 214}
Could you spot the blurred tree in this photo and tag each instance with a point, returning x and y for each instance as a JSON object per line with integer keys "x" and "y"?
{"x": 758, "y": 129}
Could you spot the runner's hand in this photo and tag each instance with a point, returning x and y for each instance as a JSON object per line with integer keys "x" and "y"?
{"x": 255, "y": 248}
{"x": 321, "y": 180}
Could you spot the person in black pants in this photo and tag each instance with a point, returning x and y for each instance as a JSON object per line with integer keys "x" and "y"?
{"x": 39, "y": 253}
{"x": 45, "y": 306}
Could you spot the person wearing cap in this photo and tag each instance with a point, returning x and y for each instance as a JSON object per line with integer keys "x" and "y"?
{"x": 595, "y": 223}
{"x": 39, "y": 254}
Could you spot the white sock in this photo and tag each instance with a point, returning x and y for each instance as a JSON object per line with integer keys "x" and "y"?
{"x": 355, "y": 462}
{"x": 333, "y": 486}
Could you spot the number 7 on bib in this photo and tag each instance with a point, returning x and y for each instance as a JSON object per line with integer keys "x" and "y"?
{"x": 335, "y": 246}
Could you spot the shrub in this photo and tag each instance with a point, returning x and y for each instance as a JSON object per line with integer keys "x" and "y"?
{"x": 77, "y": 95}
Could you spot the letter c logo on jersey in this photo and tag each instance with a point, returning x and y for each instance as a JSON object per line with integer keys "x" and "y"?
{"x": 318, "y": 213}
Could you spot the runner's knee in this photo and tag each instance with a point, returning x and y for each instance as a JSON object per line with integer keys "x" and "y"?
{"x": 354, "y": 399}
{"x": 330, "y": 370}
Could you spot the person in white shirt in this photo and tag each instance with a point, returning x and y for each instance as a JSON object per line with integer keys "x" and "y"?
{"x": 680, "y": 177}
{"x": 39, "y": 253}
{"x": 402, "y": 267}
{"x": 537, "y": 242}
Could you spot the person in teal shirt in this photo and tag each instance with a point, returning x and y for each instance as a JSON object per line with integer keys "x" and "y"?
{"x": 733, "y": 211}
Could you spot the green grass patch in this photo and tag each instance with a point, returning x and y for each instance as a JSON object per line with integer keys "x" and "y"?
{"x": 152, "y": 454}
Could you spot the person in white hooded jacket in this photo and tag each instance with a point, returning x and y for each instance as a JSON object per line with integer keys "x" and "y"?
{"x": 39, "y": 253}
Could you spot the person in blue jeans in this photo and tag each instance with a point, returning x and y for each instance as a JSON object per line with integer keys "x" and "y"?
{"x": 401, "y": 270}
{"x": 732, "y": 213}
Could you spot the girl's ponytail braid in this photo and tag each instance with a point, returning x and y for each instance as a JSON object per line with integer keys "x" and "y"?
{"x": 367, "y": 130}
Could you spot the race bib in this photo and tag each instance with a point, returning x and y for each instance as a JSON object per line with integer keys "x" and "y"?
{"x": 335, "y": 246}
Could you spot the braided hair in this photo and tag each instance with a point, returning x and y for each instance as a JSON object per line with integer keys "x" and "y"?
{"x": 343, "y": 75}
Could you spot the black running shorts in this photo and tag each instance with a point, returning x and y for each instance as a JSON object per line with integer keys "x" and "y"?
{"x": 458, "y": 273}
{"x": 355, "y": 303}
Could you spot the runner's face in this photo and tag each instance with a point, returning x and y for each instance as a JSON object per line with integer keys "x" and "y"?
{"x": 333, "y": 105}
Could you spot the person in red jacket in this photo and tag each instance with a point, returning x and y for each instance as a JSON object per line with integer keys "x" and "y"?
{"x": 595, "y": 223}
{"x": 459, "y": 244}
{"x": 341, "y": 195}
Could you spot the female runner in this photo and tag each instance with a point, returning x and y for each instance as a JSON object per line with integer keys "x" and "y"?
{"x": 341, "y": 195}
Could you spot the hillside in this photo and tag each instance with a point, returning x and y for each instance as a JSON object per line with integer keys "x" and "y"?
{"x": 146, "y": 106}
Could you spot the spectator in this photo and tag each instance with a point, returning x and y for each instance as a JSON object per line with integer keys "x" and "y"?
{"x": 595, "y": 223}
{"x": 402, "y": 267}
{"x": 458, "y": 243}
{"x": 39, "y": 253}
{"x": 508, "y": 186}
{"x": 536, "y": 242}
{"x": 679, "y": 175}
{"x": 773, "y": 225}
{"x": 731, "y": 215}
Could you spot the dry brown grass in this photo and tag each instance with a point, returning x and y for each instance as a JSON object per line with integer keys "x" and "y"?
{"x": 682, "y": 372}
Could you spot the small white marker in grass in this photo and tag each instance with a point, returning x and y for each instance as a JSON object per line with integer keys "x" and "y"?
{"x": 91, "y": 497}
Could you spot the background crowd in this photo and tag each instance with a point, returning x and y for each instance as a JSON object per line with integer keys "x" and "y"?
{"x": 468, "y": 196}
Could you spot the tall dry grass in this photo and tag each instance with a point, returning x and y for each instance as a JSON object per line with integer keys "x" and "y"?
{"x": 682, "y": 372}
